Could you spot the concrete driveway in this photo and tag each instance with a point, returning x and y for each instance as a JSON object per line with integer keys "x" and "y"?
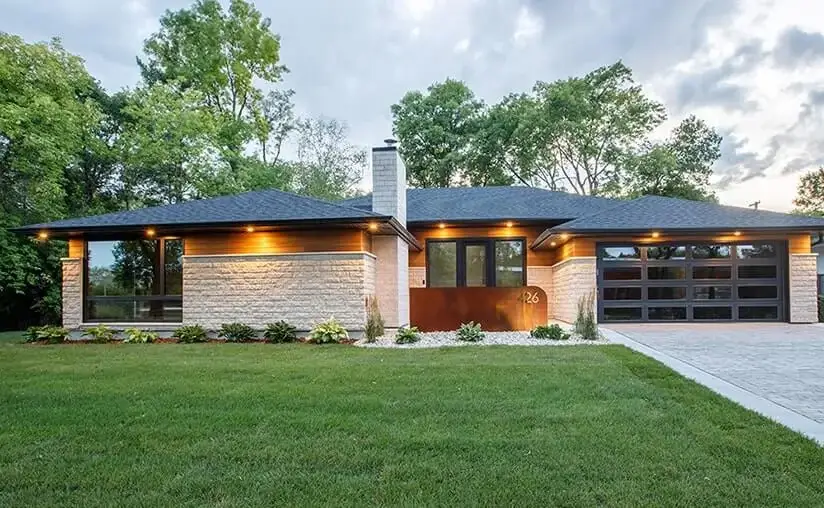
{"x": 776, "y": 369}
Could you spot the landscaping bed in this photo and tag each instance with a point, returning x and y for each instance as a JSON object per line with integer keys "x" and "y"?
{"x": 449, "y": 339}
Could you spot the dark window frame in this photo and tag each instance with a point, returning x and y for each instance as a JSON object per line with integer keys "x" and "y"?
{"x": 160, "y": 282}
{"x": 460, "y": 258}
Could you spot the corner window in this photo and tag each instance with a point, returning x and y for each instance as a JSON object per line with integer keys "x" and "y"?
{"x": 476, "y": 263}
{"x": 134, "y": 281}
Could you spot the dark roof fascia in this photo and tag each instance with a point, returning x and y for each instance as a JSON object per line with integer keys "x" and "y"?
{"x": 404, "y": 233}
{"x": 66, "y": 231}
{"x": 487, "y": 222}
{"x": 543, "y": 237}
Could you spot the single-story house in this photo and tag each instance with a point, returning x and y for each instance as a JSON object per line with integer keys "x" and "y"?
{"x": 507, "y": 257}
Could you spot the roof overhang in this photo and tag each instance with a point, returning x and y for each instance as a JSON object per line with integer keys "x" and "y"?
{"x": 559, "y": 235}
{"x": 379, "y": 224}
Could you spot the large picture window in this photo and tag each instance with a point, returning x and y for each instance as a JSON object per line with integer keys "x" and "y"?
{"x": 476, "y": 263}
{"x": 134, "y": 281}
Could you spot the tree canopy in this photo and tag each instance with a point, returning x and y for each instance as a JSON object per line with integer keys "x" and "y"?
{"x": 588, "y": 135}
{"x": 809, "y": 199}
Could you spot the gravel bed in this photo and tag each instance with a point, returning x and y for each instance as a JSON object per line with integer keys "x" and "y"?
{"x": 447, "y": 339}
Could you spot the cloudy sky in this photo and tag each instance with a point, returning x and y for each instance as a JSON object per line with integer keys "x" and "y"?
{"x": 753, "y": 69}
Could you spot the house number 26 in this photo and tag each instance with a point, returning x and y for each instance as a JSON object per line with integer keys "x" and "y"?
{"x": 530, "y": 297}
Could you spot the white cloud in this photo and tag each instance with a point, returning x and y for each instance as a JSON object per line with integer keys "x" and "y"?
{"x": 462, "y": 46}
{"x": 527, "y": 27}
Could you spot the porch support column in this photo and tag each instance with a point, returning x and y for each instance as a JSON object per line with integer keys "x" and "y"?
{"x": 803, "y": 288}
{"x": 72, "y": 292}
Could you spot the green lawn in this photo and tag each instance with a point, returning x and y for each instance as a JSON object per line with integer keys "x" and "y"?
{"x": 263, "y": 425}
{"x": 11, "y": 337}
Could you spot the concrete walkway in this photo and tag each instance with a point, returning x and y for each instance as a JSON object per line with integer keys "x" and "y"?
{"x": 774, "y": 369}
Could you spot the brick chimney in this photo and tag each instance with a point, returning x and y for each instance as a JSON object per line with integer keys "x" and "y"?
{"x": 392, "y": 267}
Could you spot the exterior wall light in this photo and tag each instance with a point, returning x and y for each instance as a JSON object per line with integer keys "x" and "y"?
{"x": 441, "y": 225}
{"x": 250, "y": 229}
{"x": 737, "y": 233}
{"x": 656, "y": 234}
{"x": 509, "y": 224}
{"x": 43, "y": 235}
{"x": 373, "y": 226}
{"x": 150, "y": 232}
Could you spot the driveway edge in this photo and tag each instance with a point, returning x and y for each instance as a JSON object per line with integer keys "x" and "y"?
{"x": 780, "y": 414}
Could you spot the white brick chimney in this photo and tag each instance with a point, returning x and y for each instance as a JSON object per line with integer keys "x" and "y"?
{"x": 392, "y": 268}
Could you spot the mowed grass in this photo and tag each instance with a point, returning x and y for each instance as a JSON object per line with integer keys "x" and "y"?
{"x": 263, "y": 425}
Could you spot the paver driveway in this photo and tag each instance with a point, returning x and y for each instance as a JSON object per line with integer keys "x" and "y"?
{"x": 782, "y": 363}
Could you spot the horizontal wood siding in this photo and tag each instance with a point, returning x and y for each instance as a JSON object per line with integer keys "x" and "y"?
{"x": 533, "y": 258}
{"x": 277, "y": 242}
{"x": 585, "y": 246}
{"x": 77, "y": 248}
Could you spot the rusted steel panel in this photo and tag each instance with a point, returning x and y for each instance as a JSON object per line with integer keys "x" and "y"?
{"x": 496, "y": 309}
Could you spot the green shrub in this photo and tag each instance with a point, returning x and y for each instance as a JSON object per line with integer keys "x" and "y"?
{"x": 409, "y": 335}
{"x": 50, "y": 334}
{"x": 330, "y": 332}
{"x": 236, "y": 332}
{"x": 32, "y": 334}
{"x": 551, "y": 332}
{"x": 374, "y": 321}
{"x": 280, "y": 332}
{"x": 138, "y": 336}
{"x": 585, "y": 325}
{"x": 100, "y": 334}
{"x": 470, "y": 332}
{"x": 190, "y": 333}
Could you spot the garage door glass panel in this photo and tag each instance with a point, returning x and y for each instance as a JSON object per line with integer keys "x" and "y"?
{"x": 667, "y": 313}
{"x": 712, "y": 292}
{"x": 759, "y": 312}
{"x": 656, "y": 293}
{"x": 666, "y": 272}
{"x": 711, "y": 252}
{"x": 711, "y": 272}
{"x": 758, "y": 292}
{"x": 756, "y": 251}
{"x": 622, "y": 314}
{"x": 620, "y": 253}
{"x": 622, "y": 273}
{"x": 661, "y": 252}
{"x": 758, "y": 272}
{"x": 622, "y": 293}
{"x": 712, "y": 313}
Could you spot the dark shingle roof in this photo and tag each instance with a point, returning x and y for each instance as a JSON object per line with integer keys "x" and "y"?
{"x": 656, "y": 212}
{"x": 251, "y": 207}
{"x": 492, "y": 203}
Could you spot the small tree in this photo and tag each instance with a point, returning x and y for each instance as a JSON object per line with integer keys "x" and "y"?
{"x": 585, "y": 325}
{"x": 374, "y": 320}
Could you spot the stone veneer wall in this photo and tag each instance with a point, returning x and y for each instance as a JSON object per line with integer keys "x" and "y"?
{"x": 302, "y": 288}
{"x": 72, "y": 292}
{"x": 572, "y": 278}
{"x": 392, "y": 273}
{"x": 803, "y": 288}
{"x": 541, "y": 276}
{"x": 417, "y": 277}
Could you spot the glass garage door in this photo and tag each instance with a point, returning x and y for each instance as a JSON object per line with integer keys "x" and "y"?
{"x": 692, "y": 282}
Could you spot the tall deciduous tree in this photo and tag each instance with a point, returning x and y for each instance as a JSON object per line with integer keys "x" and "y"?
{"x": 225, "y": 56}
{"x": 809, "y": 199}
{"x": 679, "y": 167}
{"x": 328, "y": 165}
{"x": 436, "y": 129}
{"x": 45, "y": 114}
{"x": 588, "y": 124}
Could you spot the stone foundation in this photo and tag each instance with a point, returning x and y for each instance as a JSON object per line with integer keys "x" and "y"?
{"x": 803, "y": 288}
{"x": 302, "y": 289}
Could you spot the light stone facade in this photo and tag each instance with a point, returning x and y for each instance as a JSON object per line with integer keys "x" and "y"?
{"x": 72, "y": 292}
{"x": 803, "y": 288}
{"x": 417, "y": 277}
{"x": 572, "y": 278}
{"x": 541, "y": 276}
{"x": 391, "y": 273}
{"x": 302, "y": 289}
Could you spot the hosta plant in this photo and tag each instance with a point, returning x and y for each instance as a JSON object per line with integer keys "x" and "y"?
{"x": 190, "y": 333}
{"x": 100, "y": 334}
{"x": 329, "y": 332}
{"x": 551, "y": 332}
{"x": 408, "y": 335}
{"x": 470, "y": 332}
{"x": 280, "y": 332}
{"x": 236, "y": 332}
{"x": 138, "y": 336}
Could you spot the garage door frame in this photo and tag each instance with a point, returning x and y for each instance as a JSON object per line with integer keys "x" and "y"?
{"x": 690, "y": 303}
